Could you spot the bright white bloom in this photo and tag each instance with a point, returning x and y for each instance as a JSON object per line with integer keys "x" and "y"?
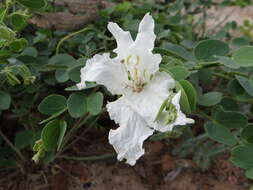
{"x": 147, "y": 102}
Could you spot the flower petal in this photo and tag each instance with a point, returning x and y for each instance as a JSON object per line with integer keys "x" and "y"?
{"x": 146, "y": 36}
{"x": 105, "y": 71}
{"x": 148, "y": 102}
{"x": 123, "y": 39}
{"x": 128, "y": 139}
{"x": 144, "y": 44}
{"x": 180, "y": 120}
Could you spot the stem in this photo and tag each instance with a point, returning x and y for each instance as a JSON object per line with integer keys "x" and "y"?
{"x": 76, "y": 139}
{"x": 70, "y": 36}
{"x": 206, "y": 116}
{"x": 88, "y": 158}
{"x": 240, "y": 74}
{"x": 203, "y": 66}
{"x": 221, "y": 75}
{"x": 75, "y": 127}
{"x": 12, "y": 146}
{"x": 5, "y": 11}
{"x": 219, "y": 151}
{"x": 214, "y": 121}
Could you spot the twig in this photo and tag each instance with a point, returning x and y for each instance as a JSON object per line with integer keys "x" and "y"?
{"x": 220, "y": 23}
{"x": 204, "y": 22}
{"x": 88, "y": 158}
{"x": 73, "y": 128}
{"x": 76, "y": 139}
{"x": 12, "y": 146}
{"x": 8, "y": 177}
{"x": 69, "y": 174}
{"x": 204, "y": 115}
{"x": 42, "y": 186}
{"x": 70, "y": 36}
{"x": 45, "y": 177}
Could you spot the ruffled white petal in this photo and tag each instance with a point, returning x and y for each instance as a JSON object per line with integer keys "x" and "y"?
{"x": 180, "y": 120}
{"x": 105, "y": 71}
{"x": 144, "y": 44}
{"x": 146, "y": 36}
{"x": 128, "y": 139}
{"x": 148, "y": 102}
{"x": 123, "y": 39}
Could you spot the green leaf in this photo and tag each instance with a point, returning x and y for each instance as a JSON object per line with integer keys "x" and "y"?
{"x": 241, "y": 156}
{"x": 251, "y": 80}
{"x": 30, "y": 51}
{"x": 6, "y": 33}
{"x": 77, "y": 105}
{"x": 249, "y": 173}
{"x": 220, "y": 134}
{"x": 53, "y": 116}
{"x": 184, "y": 101}
{"x": 123, "y": 7}
{"x": 18, "y": 21}
{"x": 168, "y": 52}
{"x": 244, "y": 82}
{"x": 62, "y": 59}
{"x": 2, "y": 13}
{"x": 4, "y": 54}
{"x": 228, "y": 62}
{"x": 205, "y": 76}
{"x": 235, "y": 88}
{"x": 88, "y": 86}
{"x": 191, "y": 96}
{"x": 61, "y": 75}
{"x": 179, "y": 51}
{"x": 24, "y": 139}
{"x": 95, "y": 103}
{"x": 72, "y": 88}
{"x": 231, "y": 119}
{"x": 244, "y": 56}
{"x": 52, "y": 104}
{"x": 241, "y": 41}
{"x": 210, "y": 99}
{"x": 178, "y": 72}
{"x": 229, "y": 104}
{"x": 5, "y": 100}
{"x": 64, "y": 62}
{"x": 62, "y": 131}
{"x": 207, "y": 50}
{"x": 74, "y": 74}
{"x": 245, "y": 97}
{"x": 53, "y": 133}
{"x": 247, "y": 135}
{"x": 18, "y": 45}
{"x": 33, "y": 4}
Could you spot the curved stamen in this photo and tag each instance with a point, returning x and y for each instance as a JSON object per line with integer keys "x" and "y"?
{"x": 137, "y": 77}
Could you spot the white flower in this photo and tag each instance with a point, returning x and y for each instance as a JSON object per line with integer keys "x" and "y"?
{"x": 135, "y": 75}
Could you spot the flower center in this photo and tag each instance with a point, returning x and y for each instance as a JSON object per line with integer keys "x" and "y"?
{"x": 137, "y": 77}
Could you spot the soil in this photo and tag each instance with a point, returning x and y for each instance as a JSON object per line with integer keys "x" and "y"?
{"x": 218, "y": 16}
{"x": 156, "y": 170}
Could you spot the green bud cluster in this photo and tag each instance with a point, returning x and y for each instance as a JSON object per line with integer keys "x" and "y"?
{"x": 40, "y": 151}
